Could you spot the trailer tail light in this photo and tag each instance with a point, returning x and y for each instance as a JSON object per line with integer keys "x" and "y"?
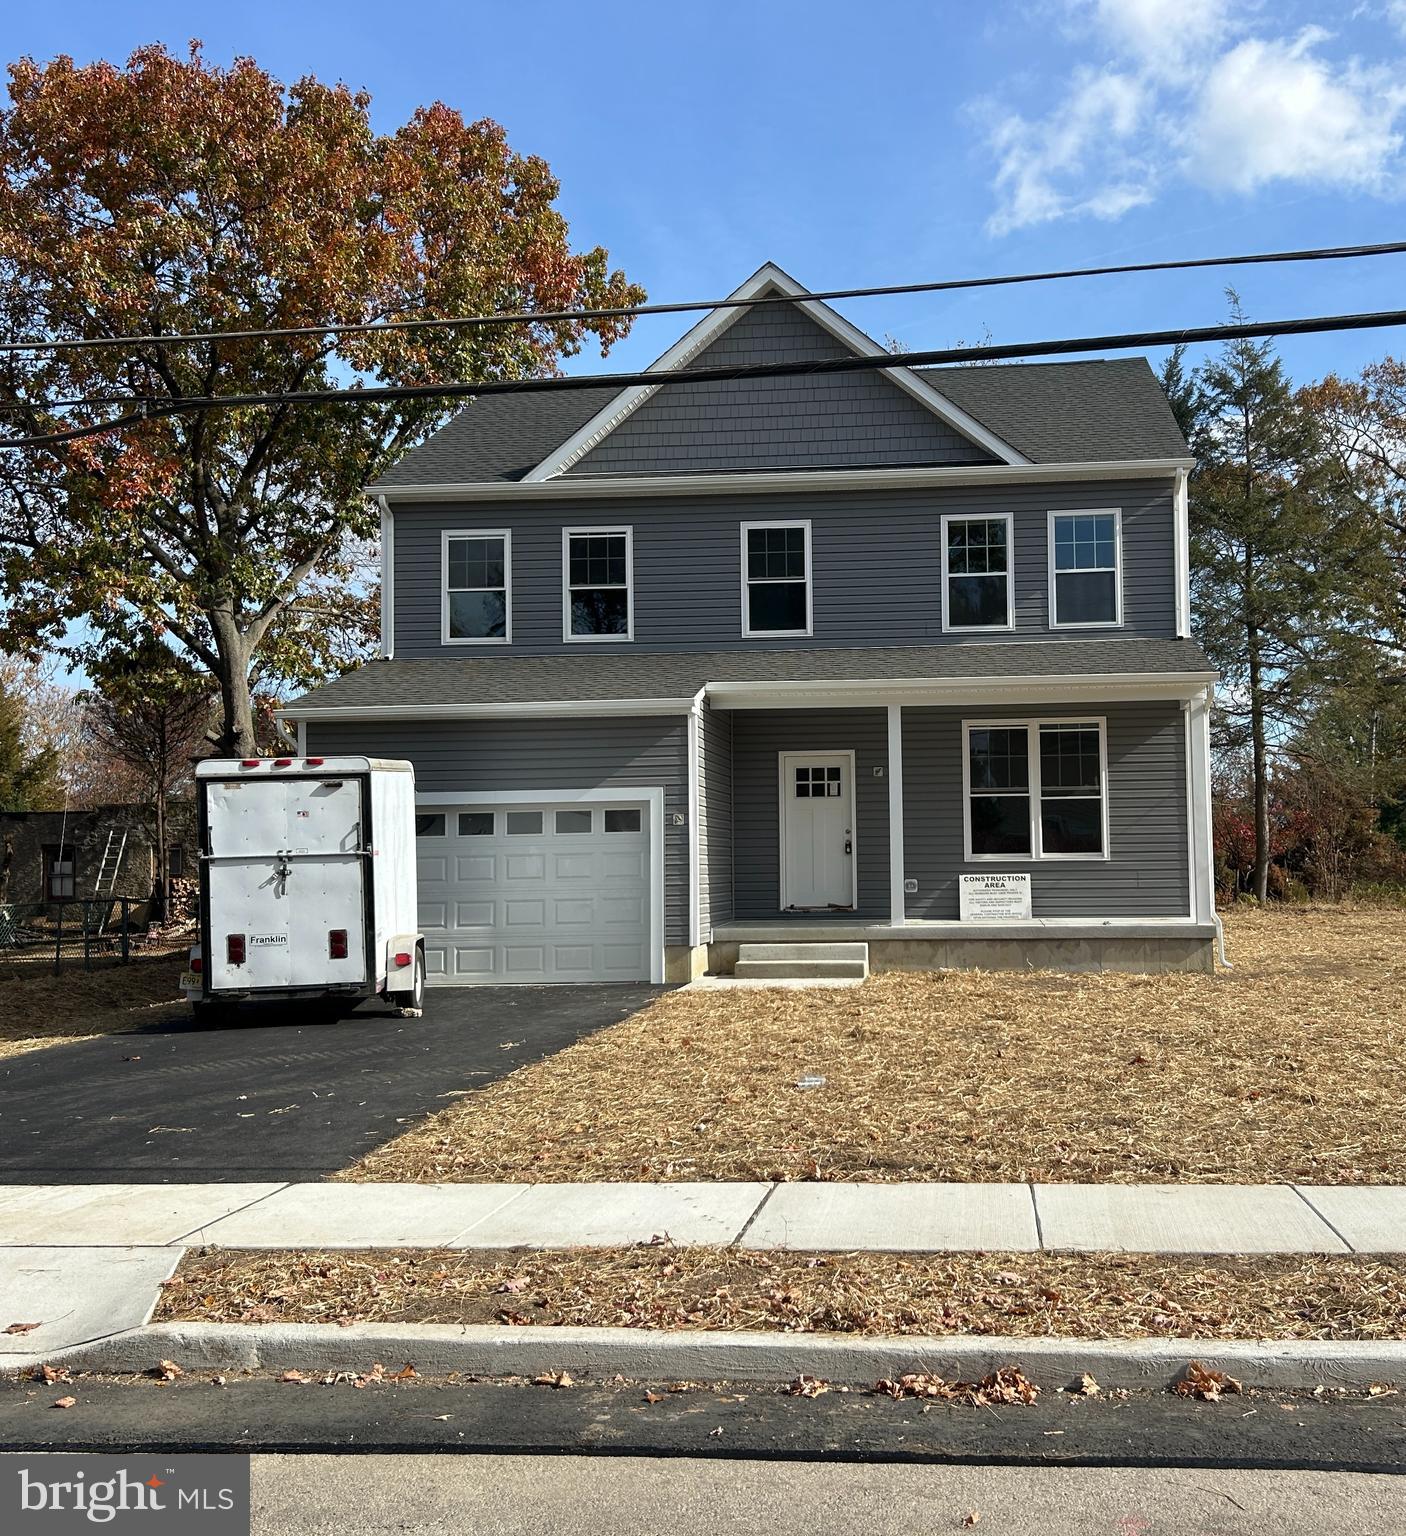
{"x": 197, "y": 964}
{"x": 234, "y": 949}
{"x": 250, "y": 762}
{"x": 337, "y": 943}
{"x": 403, "y": 958}
{"x": 283, "y": 762}
{"x": 316, "y": 762}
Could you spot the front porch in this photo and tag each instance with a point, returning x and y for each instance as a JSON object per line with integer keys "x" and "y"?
{"x": 1113, "y": 843}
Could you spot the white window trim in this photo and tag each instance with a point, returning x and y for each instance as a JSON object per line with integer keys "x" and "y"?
{"x": 447, "y": 534}
{"x": 784, "y": 762}
{"x": 1117, "y": 515}
{"x": 567, "y": 534}
{"x": 1031, "y": 725}
{"x": 748, "y": 633}
{"x": 979, "y": 517}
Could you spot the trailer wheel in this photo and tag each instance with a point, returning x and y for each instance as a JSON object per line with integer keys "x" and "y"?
{"x": 411, "y": 1005}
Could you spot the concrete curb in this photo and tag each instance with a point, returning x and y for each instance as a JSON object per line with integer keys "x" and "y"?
{"x": 640, "y": 1354}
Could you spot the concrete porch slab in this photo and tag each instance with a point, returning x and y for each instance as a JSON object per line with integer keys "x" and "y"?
{"x": 118, "y": 1215}
{"x": 76, "y": 1295}
{"x": 363, "y": 1216}
{"x": 1181, "y": 1218}
{"x": 898, "y": 1218}
{"x": 1371, "y": 1217}
{"x": 604, "y": 1215}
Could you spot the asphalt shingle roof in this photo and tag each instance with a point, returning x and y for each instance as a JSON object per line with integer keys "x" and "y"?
{"x": 1054, "y": 413}
{"x": 680, "y": 674}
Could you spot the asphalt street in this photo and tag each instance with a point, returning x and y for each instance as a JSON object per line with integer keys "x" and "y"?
{"x": 278, "y": 1094}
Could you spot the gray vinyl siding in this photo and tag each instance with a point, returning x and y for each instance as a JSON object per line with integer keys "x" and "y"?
{"x": 481, "y": 756}
{"x": 1147, "y": 874}
{"x": 876, "y": 558}
{"x": 823, "y": 421}
{"x": 758, "y": 737}
{"x": 714, "y": 819}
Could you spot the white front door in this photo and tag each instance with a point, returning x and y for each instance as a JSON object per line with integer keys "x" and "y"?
{"x": 817, "y": 831}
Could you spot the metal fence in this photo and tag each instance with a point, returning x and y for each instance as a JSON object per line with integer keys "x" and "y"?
{"x": 98, "y": 931}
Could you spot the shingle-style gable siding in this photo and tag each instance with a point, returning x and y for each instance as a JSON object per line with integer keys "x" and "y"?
{"x": 831, "y": 420}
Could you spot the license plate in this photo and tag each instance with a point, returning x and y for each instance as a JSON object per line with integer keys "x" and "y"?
{"x": 190, "y": 981}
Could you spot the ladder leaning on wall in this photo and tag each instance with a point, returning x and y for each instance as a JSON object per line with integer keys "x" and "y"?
{"x": 111, "y": 864}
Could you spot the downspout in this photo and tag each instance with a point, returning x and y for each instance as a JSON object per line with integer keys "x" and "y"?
{"x": 695, "y": 862}
{"x": 387, "y": 579}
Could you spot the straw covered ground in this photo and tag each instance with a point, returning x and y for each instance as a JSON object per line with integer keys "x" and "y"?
{"x": 1291, "y": 1066}
{"x": 1095, "y": 1296}
{"x": 42, "y": 1009}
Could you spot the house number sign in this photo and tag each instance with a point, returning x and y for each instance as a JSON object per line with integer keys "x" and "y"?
{"x": 994, "y": 898}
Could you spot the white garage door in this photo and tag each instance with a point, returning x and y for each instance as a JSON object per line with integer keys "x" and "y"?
{"x": 534, "y": 893}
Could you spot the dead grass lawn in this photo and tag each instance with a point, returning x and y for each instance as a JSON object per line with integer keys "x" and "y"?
{"x": 1095, "y": 1296}
{"x": 42, "y": 1009}
{"x": 1290, "y": 1067}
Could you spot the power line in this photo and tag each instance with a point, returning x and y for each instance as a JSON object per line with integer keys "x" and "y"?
{"x": 1236, "y": 331}
{"x": 538, "y": 317}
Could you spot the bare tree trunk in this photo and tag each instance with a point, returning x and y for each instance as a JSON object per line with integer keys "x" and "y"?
{"x": 236, "y": 703}
{"x": 158, "y": 892}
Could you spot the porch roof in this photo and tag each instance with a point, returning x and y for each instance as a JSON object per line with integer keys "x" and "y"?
{"x": 664, "y": 682}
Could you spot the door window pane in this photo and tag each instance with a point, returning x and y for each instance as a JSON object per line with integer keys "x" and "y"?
{"x": 476, "y": 824}
{"x": 430, "y": 824}
{"x": 570, "y": 822}
{"x": 622, "y": 821}
{"x": 524, "y": 823}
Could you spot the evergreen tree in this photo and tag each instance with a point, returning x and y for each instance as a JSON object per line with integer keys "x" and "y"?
{"x": 29, "y": 777}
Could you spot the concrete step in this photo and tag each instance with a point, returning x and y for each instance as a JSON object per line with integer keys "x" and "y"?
{"x": 800, "y": 970}
{"x": 804, "y": 951}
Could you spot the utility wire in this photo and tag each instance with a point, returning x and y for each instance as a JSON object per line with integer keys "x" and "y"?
{"x": 538, "y": 317}
{"x": 373, "y": 395}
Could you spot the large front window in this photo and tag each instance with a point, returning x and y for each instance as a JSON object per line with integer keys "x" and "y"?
{"x": 1085, "y": 580}
{"x": 1035, "y": 790}
{"x": 776, "y": 579}
{"x": 598, "y": 598}
{"x": 477, "y": 583}
{"x": 976, "y": 565}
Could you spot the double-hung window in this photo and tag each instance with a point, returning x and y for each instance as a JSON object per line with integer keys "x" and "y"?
{"x": 976, "y": 573}
{"x": 1086, "y": 577}
{"x": 598, "y": 584}
{"x": 776, "y": 596}
{"x": 477, "y": 587}
{"x": 1036, "y": 789}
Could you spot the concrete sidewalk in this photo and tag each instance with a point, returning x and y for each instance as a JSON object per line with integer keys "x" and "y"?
{"x": 907, "y": 1218}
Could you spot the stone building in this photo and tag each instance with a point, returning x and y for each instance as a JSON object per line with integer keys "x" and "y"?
{"x": 108, "y": 850}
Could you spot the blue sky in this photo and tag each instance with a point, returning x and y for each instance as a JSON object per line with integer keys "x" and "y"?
{"x": 894, "y": 142}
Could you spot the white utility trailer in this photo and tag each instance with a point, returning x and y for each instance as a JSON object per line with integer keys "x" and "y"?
{"x": 307, "y": 882}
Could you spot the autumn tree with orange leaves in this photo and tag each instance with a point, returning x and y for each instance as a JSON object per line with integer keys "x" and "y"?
{"x": 173, "y": 196}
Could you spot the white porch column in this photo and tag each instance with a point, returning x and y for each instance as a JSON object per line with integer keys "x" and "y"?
{"x": 1198, "y": 809}
{"x": 897, "y": 909}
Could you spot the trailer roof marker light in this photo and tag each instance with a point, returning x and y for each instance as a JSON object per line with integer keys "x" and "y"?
{"x": 250, "y": 762}
{"x": 315, "y": 762}
{"x": 283, "y": 762}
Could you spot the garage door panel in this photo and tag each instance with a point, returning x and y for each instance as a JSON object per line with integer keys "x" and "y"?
{"x": 623, "y": 865}
{"x": 432, "y": 867}
{"x": 473, "y": 961}
{"x": 474, "y": 914}
{"x": 476, "y": 866}
{"x": 622, "y": 911}
{"x": 519, "y": 866}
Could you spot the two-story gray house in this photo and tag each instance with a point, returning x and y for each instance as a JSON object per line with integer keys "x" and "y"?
{"x": 784, "y": 658}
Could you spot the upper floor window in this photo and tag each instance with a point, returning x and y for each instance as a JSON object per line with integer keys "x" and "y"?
{"x": 1086, "y": 576}
{"x": 776, "y": 579}
{"x": 598, "y": 584}
{"x": 976, "y": 573}
{"x": 477, "y": 588}
{"x": 1036, "y": 789}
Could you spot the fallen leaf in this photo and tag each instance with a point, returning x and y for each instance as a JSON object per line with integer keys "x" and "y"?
{"x": 1380, "y": 1389}
{"x": 972, "y": 1517}
{"x": 653, "y": 1397}
{"x": 64, "y": 1402}
{"x": 1086, "y": 1386}
{"x": 1202, "y": 1382}
{"x": 1007, "y": 1385}
{"x": 405, "y": 1373}
{"x": 554, "y": 1379}
{"x": 441, "y": 1418}
{"x": 23, "y": 1327}
{"x": 808, "y": 1386}
{"x": 49, "y": 1374}
{"x": 217, "y": 1381}
{"x": 167, "y": 1370}
{"x": 512, "y": 1286}
{"x": 292, "y": 1376}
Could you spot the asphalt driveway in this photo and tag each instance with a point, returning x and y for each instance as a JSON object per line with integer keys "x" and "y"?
{"x": 279, "y": 1094}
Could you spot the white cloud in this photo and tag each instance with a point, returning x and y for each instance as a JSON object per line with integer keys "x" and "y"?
{"x": 1185, "y": 94}
{"x": 1274, "y": 111}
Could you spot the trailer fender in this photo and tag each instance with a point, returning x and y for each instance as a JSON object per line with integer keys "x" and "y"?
{"x": 400, "y": 977}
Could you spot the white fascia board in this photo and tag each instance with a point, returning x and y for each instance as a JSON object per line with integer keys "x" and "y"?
{"x": 1181, "y": 533}
{"x": 804, "y": 480}
{"x": 533, "y": 709}
{"x": 692, "y": 342}
{"x": 1080, "y": 688}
